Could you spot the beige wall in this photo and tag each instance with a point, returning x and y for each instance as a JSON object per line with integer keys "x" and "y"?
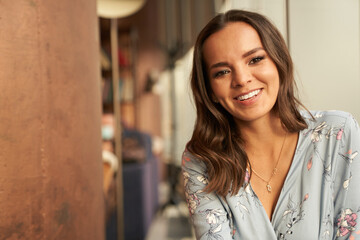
{"x": 324, "y": 43}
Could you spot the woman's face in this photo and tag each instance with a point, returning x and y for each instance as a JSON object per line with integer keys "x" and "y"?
{"x": 243, "y": 78}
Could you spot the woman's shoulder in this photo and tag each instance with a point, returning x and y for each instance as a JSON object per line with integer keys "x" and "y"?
{"x": 326, "y": 126}
{"x": 190, "y": 161}
{"x": 331, "y": 118}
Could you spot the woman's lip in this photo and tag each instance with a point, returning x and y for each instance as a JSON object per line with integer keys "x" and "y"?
{"x": 250, "y": 100}
{"x": 243, "y": 94}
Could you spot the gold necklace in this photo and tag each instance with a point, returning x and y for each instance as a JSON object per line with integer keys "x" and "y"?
{"x": 268, "y": 186}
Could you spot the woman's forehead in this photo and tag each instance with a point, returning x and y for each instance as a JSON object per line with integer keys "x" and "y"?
{"x": 234, "y": 39}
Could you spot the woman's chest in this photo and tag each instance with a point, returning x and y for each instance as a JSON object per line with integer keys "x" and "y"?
{"x": 304, "y": 209}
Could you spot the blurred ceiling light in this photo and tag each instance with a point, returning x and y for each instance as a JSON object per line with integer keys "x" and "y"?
{"x": 118, "y": 8}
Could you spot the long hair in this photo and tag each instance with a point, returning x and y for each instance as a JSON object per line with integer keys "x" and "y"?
{"x": 215, "y": 139}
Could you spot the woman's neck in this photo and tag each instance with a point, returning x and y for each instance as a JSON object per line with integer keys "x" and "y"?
{"x": 265, "y": 133}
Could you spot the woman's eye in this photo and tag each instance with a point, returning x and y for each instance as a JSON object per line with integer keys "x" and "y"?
{"x": 221, "y": 73}
{"x": 255, "y": 60}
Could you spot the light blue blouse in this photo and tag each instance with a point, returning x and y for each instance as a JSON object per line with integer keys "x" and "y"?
{"x": 320, "y": 198}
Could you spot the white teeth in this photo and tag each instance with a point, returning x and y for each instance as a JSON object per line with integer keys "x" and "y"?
{"x": 249, "y": 95}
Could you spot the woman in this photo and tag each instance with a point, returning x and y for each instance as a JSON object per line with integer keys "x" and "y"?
{"x": 256, "y": 166}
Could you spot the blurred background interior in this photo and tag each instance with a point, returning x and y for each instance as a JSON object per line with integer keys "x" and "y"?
{"x": 137, "y": 92}
{"x": 155, "y": 53}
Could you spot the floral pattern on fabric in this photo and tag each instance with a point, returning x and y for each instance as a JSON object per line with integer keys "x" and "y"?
{"x": 318, "y": 133}
{"x": 215, "y": 218}
{"x": 318, "y": 200}
{"x": 245, "y": 196}
{"x": 348, "y": 157}
{"x": 346, "y": 222}
{"x": 193, "y": 197}
{"x": 328, "y": 223}
{"x": 292, "y": 216}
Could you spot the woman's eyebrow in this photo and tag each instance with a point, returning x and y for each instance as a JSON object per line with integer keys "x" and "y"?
{"x": 251, "y": 52}
{"x": 225, "y": 64}
{"x": 219, "y": 64}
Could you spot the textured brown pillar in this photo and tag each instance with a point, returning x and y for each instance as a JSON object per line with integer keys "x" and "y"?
{"x": 50, "y": 143}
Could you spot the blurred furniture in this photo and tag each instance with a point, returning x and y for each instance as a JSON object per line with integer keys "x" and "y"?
{"x": 140, "y": 181}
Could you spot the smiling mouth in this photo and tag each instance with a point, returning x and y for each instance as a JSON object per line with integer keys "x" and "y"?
{"x": 249, "y": 95}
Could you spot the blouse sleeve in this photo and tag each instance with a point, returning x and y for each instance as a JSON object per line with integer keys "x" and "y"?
{"x": 209, "y": 216}
{"x": 347, "y": 183}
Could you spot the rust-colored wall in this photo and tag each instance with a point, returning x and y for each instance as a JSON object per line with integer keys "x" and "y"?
{"x": 50, "y": 158}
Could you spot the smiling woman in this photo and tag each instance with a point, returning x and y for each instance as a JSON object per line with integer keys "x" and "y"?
{"x": 246, "y": 86}
{"x": 249, "y": 121}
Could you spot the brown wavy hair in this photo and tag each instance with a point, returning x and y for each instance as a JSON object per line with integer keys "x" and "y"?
{"x": 215, "y": 139}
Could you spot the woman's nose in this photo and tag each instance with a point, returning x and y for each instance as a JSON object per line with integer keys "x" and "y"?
{"x": 241, "y": 77}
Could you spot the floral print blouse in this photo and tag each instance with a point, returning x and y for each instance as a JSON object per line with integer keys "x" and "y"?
{"x": 320, "y": 198}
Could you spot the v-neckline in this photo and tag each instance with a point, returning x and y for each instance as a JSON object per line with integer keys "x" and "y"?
{"x": 282, "y": 188}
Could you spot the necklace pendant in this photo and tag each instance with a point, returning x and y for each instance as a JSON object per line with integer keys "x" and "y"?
{"x": 268, "y": 187}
